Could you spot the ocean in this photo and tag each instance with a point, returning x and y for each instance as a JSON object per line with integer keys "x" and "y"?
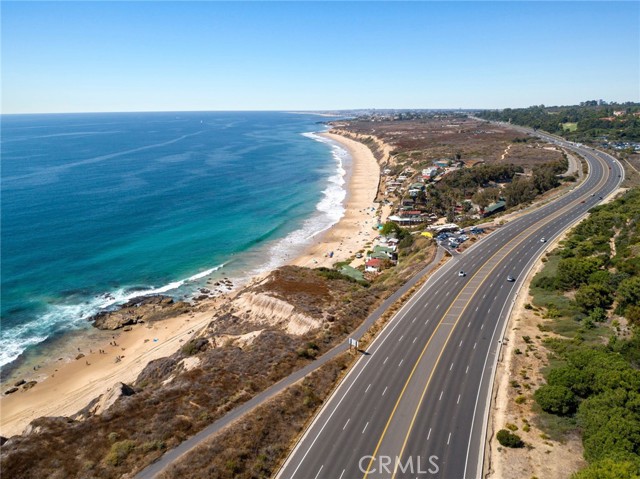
{"x": 100, "y": 208}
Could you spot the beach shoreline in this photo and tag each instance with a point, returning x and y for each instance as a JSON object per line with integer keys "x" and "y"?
{"x": 67, "y": 385}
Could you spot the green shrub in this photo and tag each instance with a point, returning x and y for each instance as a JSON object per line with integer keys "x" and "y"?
{"x": 119, "y": 452}
{"x": 558, "y": 400}
{"x": 508, "y": 439}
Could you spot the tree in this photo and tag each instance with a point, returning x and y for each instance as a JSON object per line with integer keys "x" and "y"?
{"x": 593, "y": 296}
{"x": 558, "y": 400}
{"x": 578, "y": 380}
{"x": 629, "y": 291}
{"x": 632, "y": 313}
{"x": 609, "y": 469}
{"x": 572, "y": 272}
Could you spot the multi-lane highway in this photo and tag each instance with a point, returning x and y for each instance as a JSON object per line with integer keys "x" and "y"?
{"x": 416, "y": 404}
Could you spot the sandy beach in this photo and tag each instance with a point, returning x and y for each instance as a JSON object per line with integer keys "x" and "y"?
{"x": 357, "y": 227}
{"x": 68, "y": 385}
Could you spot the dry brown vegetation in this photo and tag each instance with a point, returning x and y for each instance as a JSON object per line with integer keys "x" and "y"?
{"x": 255, "y": 446}
{"x": 421, "y": 141}
{"x": 172, "y": 403}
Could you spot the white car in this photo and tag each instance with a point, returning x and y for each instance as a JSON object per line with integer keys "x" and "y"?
{"x": 543, "y": 240}
{"x": 462, "y": 273}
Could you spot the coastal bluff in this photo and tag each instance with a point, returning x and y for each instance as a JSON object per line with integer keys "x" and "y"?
{"x": 139, "y": 310}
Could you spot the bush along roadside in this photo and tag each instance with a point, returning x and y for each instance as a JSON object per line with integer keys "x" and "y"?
{"x": 590, "y": 287}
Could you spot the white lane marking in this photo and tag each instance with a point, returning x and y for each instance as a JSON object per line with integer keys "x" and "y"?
{"x": 482, "y": 326}
{"x": 319, "y": 472}
{"x": 484, "y": 296}
{"x": 401, "y": 361}
{"x": 429, "y": 435}
{"x": 367, "y": 390}
{"x": 426, "y": 322}
{"x": 365, "y": 427}
{"x": 460, "y": 343}
{"x": 345, "y": 424}
{"x": 458, "y": 401}
{"x": 495, "y": 299}
{"x": 451, "y": 367}
{"x": 437, "y": 306}
{"x": 488, "y": 310}
{"x": 467, "y": 370}
{"x": 468, "y": 324}
{"x": 342, "y": 474}
{"x": 477, "y": 307}
{"x": 447, "y": 293}
{"x": 474, "y": 345}
{"x": 401, "y": 338}
{"x": 385, "y": 390}
{"x": 441, "y": 393}
{"x": 385, "y": 360}
{"x": 449, "y": 439}
{"x": 491, "y": 285}
{"x": 415, "y": 339}
{"x": 414, "y": 319}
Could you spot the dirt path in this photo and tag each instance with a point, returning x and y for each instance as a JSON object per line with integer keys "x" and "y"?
{"x": 506, "y": 152}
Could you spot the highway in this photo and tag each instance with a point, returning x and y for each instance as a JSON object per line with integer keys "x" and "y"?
{"x": 416, "y": 404}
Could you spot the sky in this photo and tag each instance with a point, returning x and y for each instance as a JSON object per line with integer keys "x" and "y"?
{"x": 178, "y": 56}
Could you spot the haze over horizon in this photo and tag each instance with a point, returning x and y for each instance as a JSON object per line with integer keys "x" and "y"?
{"x": 69, "y": 57}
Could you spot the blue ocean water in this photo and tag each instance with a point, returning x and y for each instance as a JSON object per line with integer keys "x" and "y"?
{"x": 99, "y": 208}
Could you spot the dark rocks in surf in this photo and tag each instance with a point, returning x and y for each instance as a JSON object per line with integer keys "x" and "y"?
{"x": 138, "y": 310}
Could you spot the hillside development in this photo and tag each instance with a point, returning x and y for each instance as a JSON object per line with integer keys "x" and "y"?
{"x": 449, "y": 168}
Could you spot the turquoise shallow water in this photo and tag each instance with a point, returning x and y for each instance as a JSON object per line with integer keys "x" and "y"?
{"x": 98, "y": 208}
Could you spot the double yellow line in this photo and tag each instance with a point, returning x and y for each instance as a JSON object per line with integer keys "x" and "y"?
{"x": 540, "y": 224}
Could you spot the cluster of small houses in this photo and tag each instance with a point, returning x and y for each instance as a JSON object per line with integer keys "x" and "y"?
{"x": 407, "y": 213}
{"x": 385, "y": 252}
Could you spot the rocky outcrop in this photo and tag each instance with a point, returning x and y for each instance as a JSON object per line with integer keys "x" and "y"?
{"x": 139, "y": 310}
{"x": 110, "y": 397}
{"x": 264, "y": 309}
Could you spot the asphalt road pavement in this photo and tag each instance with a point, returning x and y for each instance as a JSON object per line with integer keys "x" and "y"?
{"x": 415, "y": 406}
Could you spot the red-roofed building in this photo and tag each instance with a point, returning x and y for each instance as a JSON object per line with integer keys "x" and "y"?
{"x": 373, "y": 265}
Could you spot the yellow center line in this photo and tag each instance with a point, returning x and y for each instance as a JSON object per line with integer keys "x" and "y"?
{"x": 415, "y": 415}
{"x": 539, "y": 225}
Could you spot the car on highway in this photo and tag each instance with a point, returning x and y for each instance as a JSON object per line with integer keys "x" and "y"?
{"x": 462, "y": 273}
{"x": 543, "y": 240}
{"x": 510, "y": 278}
